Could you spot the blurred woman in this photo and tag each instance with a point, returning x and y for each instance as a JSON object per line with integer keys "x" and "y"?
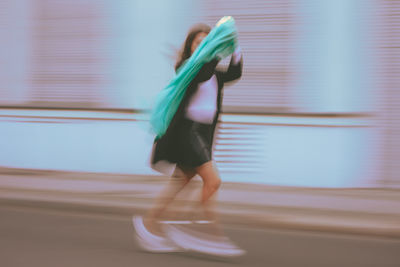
{"x": 187, "y": 143}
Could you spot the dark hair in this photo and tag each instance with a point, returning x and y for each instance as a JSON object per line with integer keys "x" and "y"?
{"x": 186, "y": 52}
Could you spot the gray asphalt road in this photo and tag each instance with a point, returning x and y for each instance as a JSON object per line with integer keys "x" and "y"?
{"x": 41, "y": 237}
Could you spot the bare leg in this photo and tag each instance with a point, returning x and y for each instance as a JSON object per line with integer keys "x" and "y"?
{"x": 175, "y": 185}
{"x": 211, "y": 183}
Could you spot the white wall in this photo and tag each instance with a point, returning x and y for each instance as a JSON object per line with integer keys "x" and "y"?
{"x": 145, "y": 37}
{"x": 288, "y": 155}
{"x": 334, "y": 57}
{"x": 15, "y": 49}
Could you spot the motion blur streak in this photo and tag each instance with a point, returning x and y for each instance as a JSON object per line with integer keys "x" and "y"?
{"x": 308, "y": 138}
{"x": 320, "y": 74}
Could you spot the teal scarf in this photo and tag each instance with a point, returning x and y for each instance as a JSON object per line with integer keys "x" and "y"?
{"x": 220, "y": 43}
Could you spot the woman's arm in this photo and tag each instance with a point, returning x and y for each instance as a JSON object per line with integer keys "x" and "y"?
{"x": 207, "y": 71}
{"x": 235, "y": 67}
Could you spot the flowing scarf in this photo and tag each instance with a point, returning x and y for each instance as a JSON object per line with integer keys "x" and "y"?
{"x": 219, "y": 43}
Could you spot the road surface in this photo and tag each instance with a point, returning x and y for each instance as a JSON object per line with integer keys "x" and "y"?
{"x": 38, "y": 237}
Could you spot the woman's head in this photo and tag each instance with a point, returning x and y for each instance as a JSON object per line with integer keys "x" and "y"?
{"x": 193, "y": 39}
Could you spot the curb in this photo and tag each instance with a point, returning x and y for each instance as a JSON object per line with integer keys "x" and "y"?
{"x": 229, "y": 215}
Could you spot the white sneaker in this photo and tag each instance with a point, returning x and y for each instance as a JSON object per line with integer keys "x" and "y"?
{"x": 150, "y": 242}
{"x": 203, "y": 243}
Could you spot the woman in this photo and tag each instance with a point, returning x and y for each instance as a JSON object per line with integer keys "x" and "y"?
{"x": 187, "y": 143}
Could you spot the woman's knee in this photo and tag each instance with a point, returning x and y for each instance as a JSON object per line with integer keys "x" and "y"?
{"x": 213, "y": 184}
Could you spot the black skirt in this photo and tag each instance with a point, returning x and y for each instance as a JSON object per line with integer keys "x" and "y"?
{"x": 194, "y": 143}
{"x": 189, "y": 147}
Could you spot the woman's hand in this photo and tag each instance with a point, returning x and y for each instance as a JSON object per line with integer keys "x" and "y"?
{"x": 237, "y": 55}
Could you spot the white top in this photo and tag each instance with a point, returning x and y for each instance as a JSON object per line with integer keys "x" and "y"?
{"x": 203, "y": 104}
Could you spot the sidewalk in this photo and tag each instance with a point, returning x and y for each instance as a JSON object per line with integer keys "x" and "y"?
{"x": 370, "y": 212}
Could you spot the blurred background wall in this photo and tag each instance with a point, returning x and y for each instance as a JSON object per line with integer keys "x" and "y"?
{"x": 317, "y": 104}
